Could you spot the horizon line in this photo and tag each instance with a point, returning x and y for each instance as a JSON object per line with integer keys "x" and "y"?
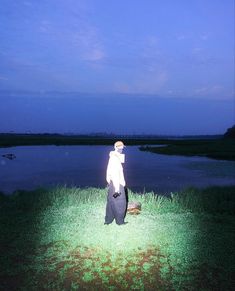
{"x": 103, "y": 134}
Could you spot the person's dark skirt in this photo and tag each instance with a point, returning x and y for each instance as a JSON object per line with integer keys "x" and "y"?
{"x": 116, "y": 207}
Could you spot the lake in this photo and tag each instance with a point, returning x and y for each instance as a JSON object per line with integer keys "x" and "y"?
{"x": 85, "y": 166}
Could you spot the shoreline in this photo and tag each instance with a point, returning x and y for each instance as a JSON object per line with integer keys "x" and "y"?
{"x": 218, "y": 149}
{"x": 10, "y": 139}
{"x": 215, "y": 147}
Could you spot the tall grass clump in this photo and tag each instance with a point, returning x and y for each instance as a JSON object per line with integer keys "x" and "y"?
{"x": 55, "y": 239}
{"x": 214, "y": 200}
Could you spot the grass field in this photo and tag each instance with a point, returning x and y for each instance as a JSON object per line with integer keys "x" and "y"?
{"x": 9, "y": 140}
{"x": 56, "y": 240}
{"x": 222, "y": 149}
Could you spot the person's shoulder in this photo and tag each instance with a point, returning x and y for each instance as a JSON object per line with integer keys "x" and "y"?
{"x": 113, "y": 155}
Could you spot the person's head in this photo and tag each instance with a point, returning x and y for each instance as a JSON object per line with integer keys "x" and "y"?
{"x": 119, "y": 146}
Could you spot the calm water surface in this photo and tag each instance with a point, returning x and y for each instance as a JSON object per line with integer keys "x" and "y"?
{"x": 82, "y": 166}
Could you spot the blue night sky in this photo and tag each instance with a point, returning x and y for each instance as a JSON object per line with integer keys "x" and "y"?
{"x": 120, "y": 66}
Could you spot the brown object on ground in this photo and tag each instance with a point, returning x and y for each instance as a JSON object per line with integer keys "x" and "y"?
{"x": 134, "y": 208}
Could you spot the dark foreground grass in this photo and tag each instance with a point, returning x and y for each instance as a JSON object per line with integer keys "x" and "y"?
{"x": 56, "y": 240}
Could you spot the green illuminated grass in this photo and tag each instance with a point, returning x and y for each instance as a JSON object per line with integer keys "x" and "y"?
{"x": 56, "y": 240}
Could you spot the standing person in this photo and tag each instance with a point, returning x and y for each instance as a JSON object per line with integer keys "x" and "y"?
{"x": 116, "y": 200}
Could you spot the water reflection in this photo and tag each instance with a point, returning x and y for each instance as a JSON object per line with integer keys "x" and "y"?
{"x": 81, "y": 166}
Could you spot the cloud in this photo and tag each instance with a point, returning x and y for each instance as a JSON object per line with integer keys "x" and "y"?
{"x": 143, "y": 71}
{"x": 149, "y": 71}
{"x": 201, "y": 56}
{"x": 215, "y": 89}
{"x": 2, "y": 78}
{"x": 72, "y": 31}
{"x": 197, "y": 50}
{"x": 189, "y": 36}
{"x": 181, "y": 37}
{"x": 88, "y": 43}
{"x": 214, "y": 92}
{"x": 204, "y": 36}
{"x": 144, "y": 83}
{"x": 94, "y": 54}
{"x": 27, "y": 3}
{"x": 151, "y": 47}
{"x": 45, "y": 26}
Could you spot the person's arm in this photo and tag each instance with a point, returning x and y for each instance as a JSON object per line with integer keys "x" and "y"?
{"x": 113, "y": 173}
{"x": 108, "y": 176}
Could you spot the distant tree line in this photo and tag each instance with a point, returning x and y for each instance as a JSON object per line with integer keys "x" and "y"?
{"x": 230, "y": 133}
